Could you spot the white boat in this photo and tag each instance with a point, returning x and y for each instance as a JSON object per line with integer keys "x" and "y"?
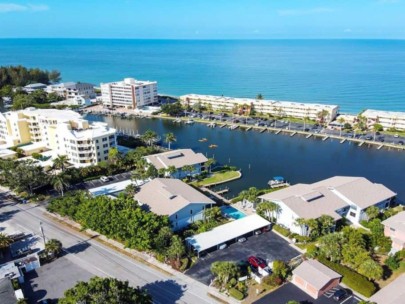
{"x": 278, "y": 181}
{"x": 189, "y": 122}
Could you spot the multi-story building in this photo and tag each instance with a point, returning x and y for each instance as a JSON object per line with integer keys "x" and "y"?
{"x": 129, "y": 93}
{"x": 273, "y": 107}
{"x": 394, "y": 228}
{"x": 63, "y": 131}
{"x": 388, "y": 119}
{"x": 70, "y": 90}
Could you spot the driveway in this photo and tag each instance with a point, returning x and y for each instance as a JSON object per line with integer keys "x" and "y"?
{"x": 268, "y": 246}
{"x": 97, "y": 182}
{"x": 290, "y": 292}
{"x": 51, "y": 280}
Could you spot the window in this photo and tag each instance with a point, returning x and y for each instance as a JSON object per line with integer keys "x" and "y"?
{"x": 353, "y": 214}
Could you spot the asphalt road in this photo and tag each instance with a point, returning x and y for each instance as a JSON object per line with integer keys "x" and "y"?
{"x": 99, "y": 260}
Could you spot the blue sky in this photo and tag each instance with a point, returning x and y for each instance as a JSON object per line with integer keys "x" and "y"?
{"x": 203, "y": 19}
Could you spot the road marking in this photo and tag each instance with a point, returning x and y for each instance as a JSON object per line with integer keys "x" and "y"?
{"x": 346, "y": 299}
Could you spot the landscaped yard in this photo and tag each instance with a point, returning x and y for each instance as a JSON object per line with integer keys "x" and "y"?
{"x": 218, "y": 178}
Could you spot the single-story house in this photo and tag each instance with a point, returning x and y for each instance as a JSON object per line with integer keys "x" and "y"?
{"x": 315, "y": 278}
{"x": 394, "y": 228}
{"x": 174, "y": 198}
{"x": 178, "y": 159}
{"x": 393, "y": 293}
{"x": 339, "y": 196}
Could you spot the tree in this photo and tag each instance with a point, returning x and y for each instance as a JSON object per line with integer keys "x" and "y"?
{"x": 259, "y": 97}
{"x": 341, "y": 120}
{"x": 5, "y": 241}
{"x": 302, "y": 223}
{"x": 131, "y": 189}
{"x": 60, "y": 182}
{"x": 330, "y": 245}
{"x": 163, "y": 239}
{"x": 114, "y": 156}
{"x": 54, "y": 76}
{"x": 372, "y": 212}
{"x": 149, "y": 137}
{"x": 210, "y": 162}
{"x": 169, "y": 138}
{"x": 105, "y": 290}
{"x": 322, "y": 116}
{"x": 270, "y": 210}
{"x": 377, "y": 128}
{"x": 326, "y": 224}
{"x": 171, "y": 170}
{"x": 21, "y": 101}
{"x": 188, "y": 169}
{"x": 27, "y": 176}
{"x": 212, "y": 214}
{"x": 280, "y": 269}
{"x": 61, "y": 162}
{"x": 53, "y": 248}
{"x": 224, "y": 271}
{"x": 371, "y": 269}
{"x": 172, "y": 109}
{"x": 176, "y": 249}
{"x": 250, "y": 195}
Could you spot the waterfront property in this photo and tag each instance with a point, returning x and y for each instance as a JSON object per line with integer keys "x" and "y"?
{"x": 273, "y": 107}
{"x": 63, "y": 132}
{"x": 178, "y": 159}
{"x": 339, "y": 196}
{"x": 388, "y": 119}
{"x": 129, "y": 93}
{"x": 394, "y": 228}
{"x": 34, "y": 87}
{"x": 70, "y": 90}
{"x": 174, "y": 198}
{"x": 222, "y": 235}
{"x": 393, "y": 293}
{"x": 315, "y": 278}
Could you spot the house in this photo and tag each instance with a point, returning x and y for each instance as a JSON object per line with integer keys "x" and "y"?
{"x": 393, "y": 293}
{"x": 70, "y": 90}
{"x": 180, "y": 202}
{"x": 315, "y": 278}
{"x": 339, "y": 196}
{"x": 394, "y": 228}
{"x": 7, "y": 294}
{"x": 34, "y": 86}
{"x": 178, "y": 159}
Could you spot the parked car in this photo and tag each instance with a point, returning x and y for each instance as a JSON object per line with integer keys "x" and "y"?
{"x": 340, "y": 294}
{"x": 255, "y": 262}
{"x": 222, "y": 246}
{"x": 242, "y": 239}
{"x": 266, "y": 229}
{"x": 104, "y": 179}
{"x": 401, "y": 143}
{"x": 257, "y": 232}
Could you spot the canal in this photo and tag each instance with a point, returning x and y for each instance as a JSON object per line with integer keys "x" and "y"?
{"x": 264, "y": 155}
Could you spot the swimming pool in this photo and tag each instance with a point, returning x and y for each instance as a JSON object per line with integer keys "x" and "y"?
{"x": 232, "y": 212}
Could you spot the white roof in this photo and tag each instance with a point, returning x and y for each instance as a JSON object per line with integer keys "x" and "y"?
{"x": 315, "y": 273}
{"x": 227, "y": 232}
{"x": 111, "y": 188}
{"x": 386, "y": 114}
{"x": 177, "y": 158}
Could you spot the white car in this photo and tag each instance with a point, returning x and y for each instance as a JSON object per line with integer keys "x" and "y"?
{"x": 104, "y": 179}
{"x": 222, "y": 246}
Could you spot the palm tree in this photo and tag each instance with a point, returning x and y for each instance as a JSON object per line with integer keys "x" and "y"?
{"x": 169, "y": 138}
{"x": 53, "y": 247}
{"x": 209, "y": 163}
{"x": 376, "y": 128}
{"x": 302, "y": 223}
{"x": 149, "y": 137}
{"x": 188, "y": 169}
{"x": 250, "y": 195}
{"x": 171, "y": 170}
{"x": 341, "y": 120}
{"x": 5, "y": 241}
{"x": 60, "y": 162}
{"x": 60, "y": 182}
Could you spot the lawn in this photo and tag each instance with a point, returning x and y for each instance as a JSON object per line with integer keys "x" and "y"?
{"x": 218, "y": 178}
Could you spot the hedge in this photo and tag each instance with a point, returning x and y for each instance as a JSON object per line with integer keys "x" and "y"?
{"x": 351, "y": 278}
{"x": 236, "y": 294}
{"x": 282, "y": 230}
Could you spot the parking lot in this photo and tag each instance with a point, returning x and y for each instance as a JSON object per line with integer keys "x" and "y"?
{"x": 268, "y": 246}
{"x": 51, "y": 280}
{"x": 97, "y": 182}
{"x": 290, "y": 292}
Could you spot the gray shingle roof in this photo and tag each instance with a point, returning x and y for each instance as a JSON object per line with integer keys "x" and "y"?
{"x": 177, "y": 158}
{"x": 315, "y": 273}
{"x": 166, "y": 196}
{"x": 397, "y": 222}
{"x": 393, "y": 293}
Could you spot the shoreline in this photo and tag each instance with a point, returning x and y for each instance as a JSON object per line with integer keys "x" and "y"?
{"x": 247, "y": 128}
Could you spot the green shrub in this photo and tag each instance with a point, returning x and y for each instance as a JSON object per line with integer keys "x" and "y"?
{"x": 401, "y": 254}
{"x": 351, "y": 278}
{"x": 364, "y": 223}
{"x": 236, "y": 294}
{"x": 232, "y": 282}
{"x": 392, "y": 262}
{"x": 312, "y": 251}
{"x": 272, "y": 280}
{"x": 184, "y": 264}
{"x": 282, "y": 230}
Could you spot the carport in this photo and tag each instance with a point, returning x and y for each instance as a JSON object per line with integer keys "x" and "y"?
{"x": 226, "y": 233}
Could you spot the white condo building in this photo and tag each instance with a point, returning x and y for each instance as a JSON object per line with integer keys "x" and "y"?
{"x": 387, "y": 119}
{"x": 273, "y": 107}
{"x": 63, "y": 132}
{"x": 129, "y": 93}
{"x": 71, "y": 90}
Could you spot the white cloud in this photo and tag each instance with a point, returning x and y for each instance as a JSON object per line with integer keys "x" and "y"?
{"x": 300, "y": 12}
{"x": 13, "y": 7}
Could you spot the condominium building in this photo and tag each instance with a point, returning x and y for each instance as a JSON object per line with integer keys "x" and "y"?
{"x": 129, "y": 93}
{"x": 272, "y": 107}
{"x": 388, "y": 119}
{"x": 63, "y": 131}
{"x": 70, "y": 90}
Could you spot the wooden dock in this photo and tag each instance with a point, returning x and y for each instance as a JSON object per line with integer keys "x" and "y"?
{"x": 222, "y": 126}
{"x": 292, "y": 134}
{"x": 248, "y": 129}
{"x": 216, "y": 195}
{"x": 278, "y": 132}
{"x": 308, "y": 136}
{"x": 222, "y": 191}
{"x": 362, "y": 143}
{"x": 325, "y": 138}
{"x": 343, "y": 140}
{"x": 262, "y": 130}
{"x": 379, "y": 147}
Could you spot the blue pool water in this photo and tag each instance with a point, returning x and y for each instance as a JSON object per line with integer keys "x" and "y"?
{"x": 232, "y": 212}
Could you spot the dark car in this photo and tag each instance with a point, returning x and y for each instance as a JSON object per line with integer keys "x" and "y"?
{"x": 340, "y": 294}
{"x": 401, "y": 143}
{"x": 256, "y": 262}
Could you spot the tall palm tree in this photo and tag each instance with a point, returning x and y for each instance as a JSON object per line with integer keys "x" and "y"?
{"x": 53, "y": 247}
{"x": 149, "y": 137}
{"x": 188, "y": 169}
{"x": 209, "y": 163}
{"x": 171, "y": 170}
{"x": 341, "y": 120}
{"x": 302, "y": 223}
{"x": 169, "y": 138}
{"x": 5, "y": 241}
{"x": 61, "y": 162}
{"x": 60, "y": 182}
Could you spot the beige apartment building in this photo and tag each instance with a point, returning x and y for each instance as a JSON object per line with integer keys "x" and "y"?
{"x": 62, "y": 131}
{"x": 272, "y": 107}
{"x": 388, "y": 119}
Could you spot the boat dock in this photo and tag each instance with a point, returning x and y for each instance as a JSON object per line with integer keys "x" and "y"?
{"x": 215, "y": 195}
{"x": 325, "y": 138}
{"x": 278, "y": 132}
{"x": 262, "y": 130}
{"x": 211, "y": 125}
{"x": 222, "y": 126}
{"x": 343, "y": 140}
{"x": 222, "y": 191}
{"x": 248, "y": 129}
{"x": 308, "y": 136}
{"x": 233, "y": 127}
{"x": 292, "y": 134}
{"x": 362, "y": 143}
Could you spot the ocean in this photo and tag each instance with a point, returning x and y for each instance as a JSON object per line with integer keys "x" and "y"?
{"x": 355, "y": 74}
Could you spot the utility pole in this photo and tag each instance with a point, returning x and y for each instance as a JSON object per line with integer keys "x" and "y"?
{"x": 42, "y": 231}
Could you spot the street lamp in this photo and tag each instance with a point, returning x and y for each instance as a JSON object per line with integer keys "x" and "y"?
{"x": 42, "y": 231}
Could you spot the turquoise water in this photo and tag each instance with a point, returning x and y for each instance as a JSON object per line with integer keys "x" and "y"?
{"x": 355, "y": 74}
{"x": 232, "y": 212}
